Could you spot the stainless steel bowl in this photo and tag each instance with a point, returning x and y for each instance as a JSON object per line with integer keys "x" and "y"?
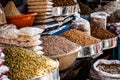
{"x": 90, "y": 50}
{"x": 54, "y": 75}
{"x": 109, "y": 43}
{"x": 65, "y": 10}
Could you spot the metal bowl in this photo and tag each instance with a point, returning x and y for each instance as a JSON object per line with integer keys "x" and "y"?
{"x": 109, "y": 43}
{"x": 65, "y": 10}
{"x": 54, "y": 75}
{"x": 90, "y": 50}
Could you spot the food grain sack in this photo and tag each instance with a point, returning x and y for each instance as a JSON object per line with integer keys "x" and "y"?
{"x": 99, "y": 18}
{"x": 2, "y": 16}
{"x": 82, "y": 25}
{"x": 107, "y": 69}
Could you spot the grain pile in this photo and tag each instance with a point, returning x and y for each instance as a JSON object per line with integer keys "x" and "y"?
{"x": 109, "y": 68}
{"x": 58, "y": 3}
{"x": 111, "y": 19}
{"x": 3, "y": 68}
{"x": 80, "y": 37}
{"x": 28, "y": 37}
{"x": 43, "y": 8}
{"x": 56, "y": 45}
{"x": 99, "y": 32}
{"x": 25, "y": 64}
{"x": 11, "y": 10}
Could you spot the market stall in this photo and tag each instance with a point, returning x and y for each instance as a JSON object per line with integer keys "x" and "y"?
{"x": 59, "y": 40}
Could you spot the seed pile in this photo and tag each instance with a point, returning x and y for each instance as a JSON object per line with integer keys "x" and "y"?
{"x": 110, "y": 68}
{"x": 80, "y": 37}
{"x": 99, "y": 32}
{"x": 25, "y": 64}
{"x": 111, "y": 19}
{"x": 58, "y": 3}
{"x": 56, "y": 45}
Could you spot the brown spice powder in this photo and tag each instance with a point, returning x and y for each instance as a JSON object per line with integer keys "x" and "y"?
{"x": 111, "y": 19}
{"x": 99, "y": 32}
{"x": 56, "y": 45}
{"x": 58, "y": 3}
{"x": 80, "y": 37}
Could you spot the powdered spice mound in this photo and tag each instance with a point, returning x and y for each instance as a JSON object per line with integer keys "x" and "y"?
{"x": 56, "y": 45}
{"x": 80, "y": 37}
{"x": 99, "y": 32}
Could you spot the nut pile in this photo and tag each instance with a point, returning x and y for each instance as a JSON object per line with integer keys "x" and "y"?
{"x": 3, "y": 69}
{"x": 80, "y": 37}
{"x": 56, "y": 45}
{"x": 27, "y": 37}
{"x": 99, "y": 32}
{"x": 58, "y": 3}
{"x": 25, "y": 64}
{"x": 43, "y": 8}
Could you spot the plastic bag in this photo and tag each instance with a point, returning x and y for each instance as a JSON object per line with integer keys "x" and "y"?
{"x": 101, "y": 73}
{"x": 99, "y": 17}
{"x": 2, "y": 16}
{"x": 82, "y": 25}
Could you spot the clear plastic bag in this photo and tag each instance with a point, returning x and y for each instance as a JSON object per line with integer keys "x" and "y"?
{"x": 99, "y": 18}
{"x": 82, "y": 25}
{"x": 2, "y": 16}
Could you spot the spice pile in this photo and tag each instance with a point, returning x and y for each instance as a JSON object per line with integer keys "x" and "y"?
{"x": 85, "y": 10}
{"x": 43, "y": 8}
{"x": 111, "y": 19}
{"x": 80, "y": 37}
{"x": 3, "y": 69}
{"x": 56, "y": 45}
{"x": 2, "y": 16}
{"x": 58, "y": 3}
{"x": 109, "y": 68}
{"x": 99, "y": 32}
{"x": 27, "y": 37}
{"x": 27, "y": 64}
{"x": 11, "y": 10}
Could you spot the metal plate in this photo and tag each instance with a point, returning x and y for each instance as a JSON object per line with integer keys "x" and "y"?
{"x": 54, "y": 75}
{"x": 65, "y": 10}
{"x": 89, "y": 51}
{"x": 109, "y": 43}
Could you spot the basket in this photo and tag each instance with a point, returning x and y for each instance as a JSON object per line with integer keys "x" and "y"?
{"x": 22, "y": 20}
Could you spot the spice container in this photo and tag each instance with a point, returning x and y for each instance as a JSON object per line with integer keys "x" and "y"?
{"x": 65, "y": 10}
{"x": 54, "y": 75}
{"x": 109, "y": 43}
{"x": 2, "y": 16}
{"x": 99, "y": 18}
{"x": 90, "y": 50}
{"x": 62, "y": 49}
{"x": 82, "y": 25}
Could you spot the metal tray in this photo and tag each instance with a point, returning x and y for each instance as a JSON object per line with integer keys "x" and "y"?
{"x": 109, "y": 43}
{"x": 65, "y": 10}
{"x": 54, "y": 75}
{"x": 90, "y": 50}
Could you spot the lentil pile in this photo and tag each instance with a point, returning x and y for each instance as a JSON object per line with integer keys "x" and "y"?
{"x": 58, "y": 3}
{"x": 80, "y": 37}
{"x": 25, "y": 64}
{"x": 56, "y": 45}
{"x": 111, "y": 19}
{"x": 99, "y": 32}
